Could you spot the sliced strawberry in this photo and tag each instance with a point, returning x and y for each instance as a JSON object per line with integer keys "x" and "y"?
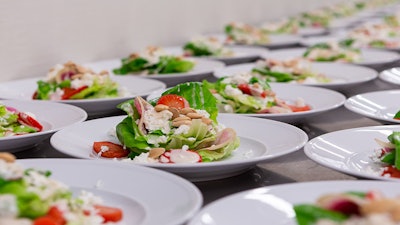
{"x": 28, "y": 120}
{"x": 174, "y": 101}
{"x": 110, "y": 150}
{"x": 69, "y": 92}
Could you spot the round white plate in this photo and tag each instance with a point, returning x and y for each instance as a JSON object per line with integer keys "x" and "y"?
{"x": 274, "y": 204}
{"x": 53, "y": 116}
{"x": 320, "y": 100}
{"x": 242, "y": 54}
{"x": 349, "y": 151}
{"x": 202, "y": 69}
{"x": 391, "y": 75}
{"x": 342, "y": 75}
{"x": 261, "y": 140}
{"x": 23, "y": 89}
{"x": 146, "y": 196}
{"x": 378, "y": 105}
{"x": 369, "y": 57}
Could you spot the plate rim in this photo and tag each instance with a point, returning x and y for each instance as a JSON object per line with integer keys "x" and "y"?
{"x": 161, "y": 84}
{"x": 82, "y": 113}
{"x": 292, "y": 185}
{"x": 263, "y": 158}
{"x": 308, "y": 150}
{"x": 348, "y": 105}
{"x": 217, "y": 74}
{"x": 213, "y": 64}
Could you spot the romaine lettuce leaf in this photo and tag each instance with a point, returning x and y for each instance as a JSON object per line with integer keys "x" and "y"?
{"x": 198, "y": 95}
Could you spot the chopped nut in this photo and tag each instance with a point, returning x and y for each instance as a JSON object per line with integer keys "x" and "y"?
{"x": 8, "y": 157}
{"x": 156, "y": 152}
{"x": 194, "y": 115}
{"x": 81, "y": 69}
{"x": 175, "y": 112}
{"x": 182, "y": 122}
{"x": 181, "y": 118}
{"x": 160, "y": 107}
{"x": 187, "y": 110}
{"x": 206, "y": 120}
{"x": 76, "y": 76}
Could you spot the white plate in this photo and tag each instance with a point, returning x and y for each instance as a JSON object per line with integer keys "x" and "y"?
{"x": 349, "y": 150}
{"x": 391, "y": 75}
{"x": 343, "y": 76}
{"x": 202, "y": 69}
{"x": 369, "y": 57}
{"x": 53, "y": 116}
{"x": 274, "y": 204}
{"x": 146, "y": 196}
{"x": 23, "y": 89}
{"x": 261, "y": 140}
{"x": 242, "y": 54}
{"x": 320, "y": 100}
{"x": 378, "y": 105}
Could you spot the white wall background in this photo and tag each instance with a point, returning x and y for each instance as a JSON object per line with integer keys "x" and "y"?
{"x": 37, "y": 34}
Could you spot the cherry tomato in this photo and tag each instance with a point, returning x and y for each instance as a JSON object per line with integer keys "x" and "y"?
{"x": 299, "y": 108}
{"x": 110, "y": 214}
{"x": 174, "y": 101}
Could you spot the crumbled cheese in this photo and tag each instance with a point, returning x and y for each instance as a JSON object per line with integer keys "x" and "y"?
{"x": 157, "y": 120}
{"x": 156, "y": 140}
{"x": 44, "y": 187}
{"x": 8, "y": 206}
{"x": 183, "y": 129}
{"x": 10, "y": 171}
{"x": 232, "y": 92}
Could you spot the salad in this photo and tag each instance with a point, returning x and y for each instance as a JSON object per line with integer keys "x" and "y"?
{"x": 397, "y": 116}
{"x": 388, "y": 154}
{"x": 32, "y": 197}
{"x": 180, "y": 127}
{"x": 350, "y": 208}
{"x": 245, "y": 93}
{"x": 72, "y": 81}
{"x": 292, "y": 70}
{"x": 378, "y": 35}
{"x": 241, "y": 33}
{"x": 283, "y": 26}
{"x": 206, "y": 46}
{"x": 14, "y": 122}
{"x": 332, "y": 52}
{"x": 154, "y": 60}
